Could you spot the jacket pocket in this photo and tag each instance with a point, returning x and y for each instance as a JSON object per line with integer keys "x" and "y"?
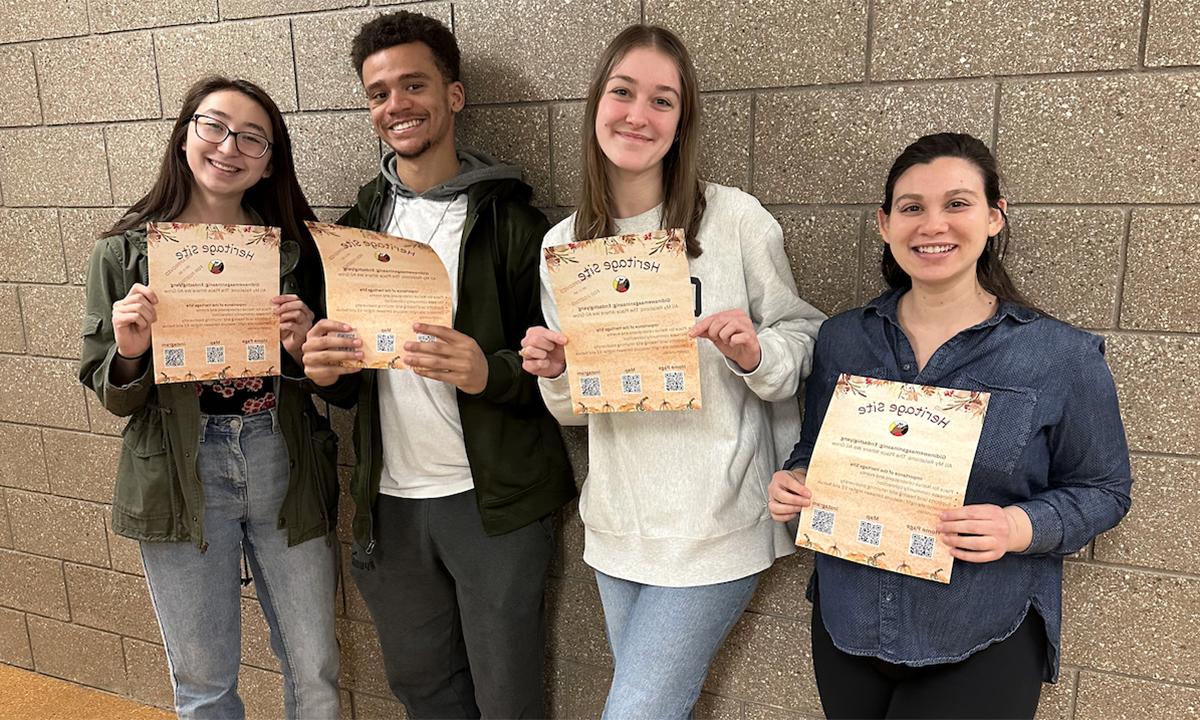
{"x": 321, "y": 448}
{"x": 1007, "y": 429}
{"x": 146, "y": 491}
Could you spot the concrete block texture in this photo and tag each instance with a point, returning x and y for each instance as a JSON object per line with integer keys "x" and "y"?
{"x": 335, "y": 155}
{"x": 575, "y": 622}
{"x": 1067, "y": 261}
{"x": 1166, "y": 496}
{"x": 914, "y": 39}
{"x": 836, "y": 145}
{"x": 81, "y": 465}
{"x": 231, "y": 9}
{"x": 1156, "y": 613}
{"x": 146, "y": 672}
{"x": 30, "y": 245}
{"x": 325, "y": 77}
{"x": 761, "y": 43}
{"x": 1112, "y": 697}
{"x": 1119, "y": 139}
{"x": 42, "y": 392}
{"x": 1147, "y": 368}
{"x": 33, "y": 583}
{"x": 822, "y": 249}
{"x": 122, "y": 64}
{"x": 111, "y": 601}
{"x": 53, "y": 316}
{"x": 135, "y": 152}
{"x": 12, "y": 333}
{"x": 1162, "y": 277}
{"x": 14, "y": 639}
{"x": 535, "y": 49}
{"x": 58, "y": 527}
{"x": 766, "y": 641}
{"x": 112, "y": 15}
{"x": 19, "y": 104}
{"x": 21, "y": 21}
{"x": 80, "y": 228}
{"x": 28, "y": 179}
{"x": 1173, "y": 33}
{"x": 83, "y": 655}
{"x": 518, "y": 135}
{"x": 256, "y": 50}
{"x": 22, "y": 459}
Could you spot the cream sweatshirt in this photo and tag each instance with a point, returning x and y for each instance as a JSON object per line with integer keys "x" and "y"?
{"x": 680, "y": 498}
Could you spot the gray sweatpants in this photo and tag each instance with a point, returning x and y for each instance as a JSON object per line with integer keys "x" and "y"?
{"x": 460, "y": 615}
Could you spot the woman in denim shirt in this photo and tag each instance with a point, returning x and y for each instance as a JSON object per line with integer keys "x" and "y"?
{"x": 1051, "y": 471}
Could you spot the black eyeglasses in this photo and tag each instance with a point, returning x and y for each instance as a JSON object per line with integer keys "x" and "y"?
{"x": 212, "y": 130}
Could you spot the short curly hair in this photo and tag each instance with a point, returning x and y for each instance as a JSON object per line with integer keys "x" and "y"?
{"x": 404, "y": 27}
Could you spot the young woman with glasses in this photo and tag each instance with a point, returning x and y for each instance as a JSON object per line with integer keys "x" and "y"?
{"x": 214, "y": 472}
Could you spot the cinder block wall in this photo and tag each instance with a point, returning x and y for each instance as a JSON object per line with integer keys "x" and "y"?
{"x": 1093, "y": 107}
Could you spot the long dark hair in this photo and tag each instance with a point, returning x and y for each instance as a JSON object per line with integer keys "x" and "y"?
{"x": 989, "y": 268}
{"x": 683, "y": 201}
{"x": 277, "y": 198}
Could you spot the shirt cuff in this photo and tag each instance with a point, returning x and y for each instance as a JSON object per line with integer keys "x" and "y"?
{"x": 1047, "y": 527}
{"x": 733, "y": 367}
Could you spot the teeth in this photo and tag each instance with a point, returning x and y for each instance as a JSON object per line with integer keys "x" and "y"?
{"x": 934, "y": 249}
{"x": 223, "y": 166}
{"x": 405, "y": 125}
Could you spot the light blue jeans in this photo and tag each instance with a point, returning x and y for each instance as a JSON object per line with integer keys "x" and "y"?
{"x": 243, "y": 464}
{"x": 663, "y": 639}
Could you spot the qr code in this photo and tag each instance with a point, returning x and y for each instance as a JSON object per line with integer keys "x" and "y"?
{"x": 173, "y": 357}
{"x": 256, "y": 352}
{"x": 631, "y": 383}
{"x": 822, "y": 521}
{"x": 920, "y": 545}
{"x": 385, "y": 343}
{"x": 589, "y": 386}
{"x": 422, "y": 337}
{"x": 214, "y": 354}
{"x": 869, "y": 532}
{"x": 673, "y": 381}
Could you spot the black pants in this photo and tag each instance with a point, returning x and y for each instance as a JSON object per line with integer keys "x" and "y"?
{"x": 460, "y": 615}
{"x": 1004, "y": 680}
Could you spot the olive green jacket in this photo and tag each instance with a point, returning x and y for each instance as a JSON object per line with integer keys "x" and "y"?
{"x": 158, "y": 495}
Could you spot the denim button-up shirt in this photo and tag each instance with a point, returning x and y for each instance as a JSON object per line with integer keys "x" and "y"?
{"x": 1052, "y": 444}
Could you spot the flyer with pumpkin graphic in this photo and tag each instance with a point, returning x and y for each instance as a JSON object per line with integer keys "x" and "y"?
{"x": 626, "y": 304}
{"x": 380, "y": 285}
{"x": 214, "y": 285}
{"x": 889, "y": 458}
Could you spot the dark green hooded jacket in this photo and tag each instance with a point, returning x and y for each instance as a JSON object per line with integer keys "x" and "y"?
{"x": 514, "y": 447}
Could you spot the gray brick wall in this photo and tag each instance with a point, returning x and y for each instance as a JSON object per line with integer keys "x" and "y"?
{"x": 1093, "y": 107}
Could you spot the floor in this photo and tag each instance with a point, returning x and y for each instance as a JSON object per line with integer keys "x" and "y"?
{"x": 28, "y": 696}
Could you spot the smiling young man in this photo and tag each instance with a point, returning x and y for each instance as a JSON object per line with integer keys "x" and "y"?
{"x": 460, "y": 466}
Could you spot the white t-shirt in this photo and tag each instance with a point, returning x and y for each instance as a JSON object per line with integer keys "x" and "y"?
{"x": 424, "y": 455}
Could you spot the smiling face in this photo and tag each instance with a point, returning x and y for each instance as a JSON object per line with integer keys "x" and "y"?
{"x": 639, "y": 111}
{"x": 939, "y": 222}
{"x": 412, "y": 106}
{"x": 221, "y": 170}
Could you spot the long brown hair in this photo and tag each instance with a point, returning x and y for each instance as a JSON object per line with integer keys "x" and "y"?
{"x": 277, "y": 198}
{"x": 683, "y": 203}
{"x": 989, "y": 268}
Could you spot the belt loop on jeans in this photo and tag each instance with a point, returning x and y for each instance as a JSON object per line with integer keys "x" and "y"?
{"x": 203, "y": 426}
{"x": 274, "y": 420}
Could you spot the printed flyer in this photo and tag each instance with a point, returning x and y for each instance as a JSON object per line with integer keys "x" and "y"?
{"x": 626, "y": 304}
{"x": 890, "y": 457}
{"x": 214, "y": 285}
{"x": 380, "y": 285}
